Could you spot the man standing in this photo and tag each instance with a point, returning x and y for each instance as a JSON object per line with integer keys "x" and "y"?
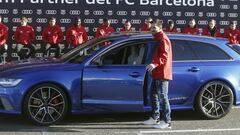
{"x": 52, "y": 36}
{"x": 24, "y": 37}
{"x": 161, "y": 71}
{"x": 3, "y": 37}
{"x": 76, "y": 34}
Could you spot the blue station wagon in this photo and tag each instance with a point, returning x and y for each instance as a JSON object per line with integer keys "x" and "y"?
{"x": 108, "y": 74}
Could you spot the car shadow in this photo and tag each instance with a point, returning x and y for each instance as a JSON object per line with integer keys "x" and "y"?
{"x": 72, "y": 123}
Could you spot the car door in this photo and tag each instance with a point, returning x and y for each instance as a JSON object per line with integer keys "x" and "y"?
{"x": 117, "y": 83}
{"x": 186, "y": 74}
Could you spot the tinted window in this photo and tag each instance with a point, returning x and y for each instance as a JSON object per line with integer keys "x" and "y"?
{"x": 208, "y": 51}
{"x": 182, "y": 51}
{"x": 127, "y": 55}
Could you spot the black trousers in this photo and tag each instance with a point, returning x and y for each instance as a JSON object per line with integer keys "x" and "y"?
{"x": 54, "y": 48}
{"x": 2, "y": 49}
{"x": 26, "y": 52}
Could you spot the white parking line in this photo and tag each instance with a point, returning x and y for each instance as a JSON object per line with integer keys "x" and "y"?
{"x": 190, "y": 131}
{"x": 236, "y": 107}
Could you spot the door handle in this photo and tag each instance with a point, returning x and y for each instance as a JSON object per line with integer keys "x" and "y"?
{"x": 135, "y": 74}
{"x": 194, "y": 69}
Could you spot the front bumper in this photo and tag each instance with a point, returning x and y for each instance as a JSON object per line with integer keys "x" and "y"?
{"x": 10, "y": 100}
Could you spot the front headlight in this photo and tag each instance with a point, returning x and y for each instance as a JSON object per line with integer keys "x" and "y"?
{"x": 6, "y": 82}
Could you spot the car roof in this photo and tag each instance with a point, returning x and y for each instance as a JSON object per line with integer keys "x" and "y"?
{"x": 148, "y": 35}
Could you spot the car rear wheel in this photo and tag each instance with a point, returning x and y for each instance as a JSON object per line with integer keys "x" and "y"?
{"x": 46, "y": 104}
{"x": 215, "y": 100}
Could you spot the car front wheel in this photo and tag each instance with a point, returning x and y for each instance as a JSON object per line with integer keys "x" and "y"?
{"x": 215, "y": 100}
{"x": 45, "y": 104}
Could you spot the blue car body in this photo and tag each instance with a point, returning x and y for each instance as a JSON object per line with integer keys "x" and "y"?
{"x": 91, "y": 88}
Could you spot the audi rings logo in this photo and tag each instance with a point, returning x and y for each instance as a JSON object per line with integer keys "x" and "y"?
{"x": 114, "y": 21}
{"x": 181, "y": 22}
{"x": 224, "y": 22}
{"x": 224, "y": 6}
{"x": 167, "y": 13}
{"x": 41, "y": 20}
{"x": 89, "y": 21}
{"x": 145, "y": 13}
{"x": 16, "y": 20}
{"x": 27, "y": 12}
{"x": 74, "y": 12}
{"x": 187, "y": 14}
{"x": 98, "y": 12}
{"x": 121, "y": 13}
{"x": 65, "y": 20}
{"x": 39, "y": 55}
{"x": 136, "y": 21}
{"x": 4, "y": 11}
{"x": 51, "y": 12}
{"x": 211, "y": 14}
{"x": 232, "y": 15}
{"x": 203, "y": 22}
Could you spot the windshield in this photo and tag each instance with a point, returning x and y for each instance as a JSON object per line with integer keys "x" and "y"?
{"x": 80, "y": 53}
{"x": 236, "y": 48}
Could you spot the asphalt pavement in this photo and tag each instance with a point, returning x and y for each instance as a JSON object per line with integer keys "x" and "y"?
{"x": 183, "y": 123}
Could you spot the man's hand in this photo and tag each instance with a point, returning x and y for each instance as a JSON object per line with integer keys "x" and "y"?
{"x": 150, "y": 68}
{"x": 47, "y": 46}
{"x": 102, "y": 32}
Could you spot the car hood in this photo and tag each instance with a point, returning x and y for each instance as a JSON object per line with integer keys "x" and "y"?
{"x": 30, "y": 65}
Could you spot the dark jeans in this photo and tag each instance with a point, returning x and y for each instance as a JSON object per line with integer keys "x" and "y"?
{"x": 160, "y": 102}
{"x": 26, "y": 52}
{"x": 53, "y": 48}
{"x": 2, "y": 49}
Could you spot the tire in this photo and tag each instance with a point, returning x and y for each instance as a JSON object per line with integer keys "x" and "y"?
{"x": 214, "y": 100}
{"x": 45, "y": 104}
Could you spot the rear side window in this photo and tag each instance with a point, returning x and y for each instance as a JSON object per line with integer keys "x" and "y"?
{"x": 182, "y": 51}
{"x": 207, "y": 51}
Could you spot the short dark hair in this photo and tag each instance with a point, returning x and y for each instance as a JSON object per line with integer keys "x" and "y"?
{"x": 52, "y": 18}
{"x": 24, "y": 18}
{"x": 233, "y": 23}
{"x": 105, "y": 19}
{"x": 159, "y": 25}
{"x": 77, "y": 18}
{"x": 170, "y": 22}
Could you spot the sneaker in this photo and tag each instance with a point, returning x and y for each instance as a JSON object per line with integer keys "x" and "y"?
{"x": 163, "y": 125}
{"x": 151, "y": 121}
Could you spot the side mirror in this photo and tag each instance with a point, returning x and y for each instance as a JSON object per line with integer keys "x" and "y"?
{"x": 98, "y": 62}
